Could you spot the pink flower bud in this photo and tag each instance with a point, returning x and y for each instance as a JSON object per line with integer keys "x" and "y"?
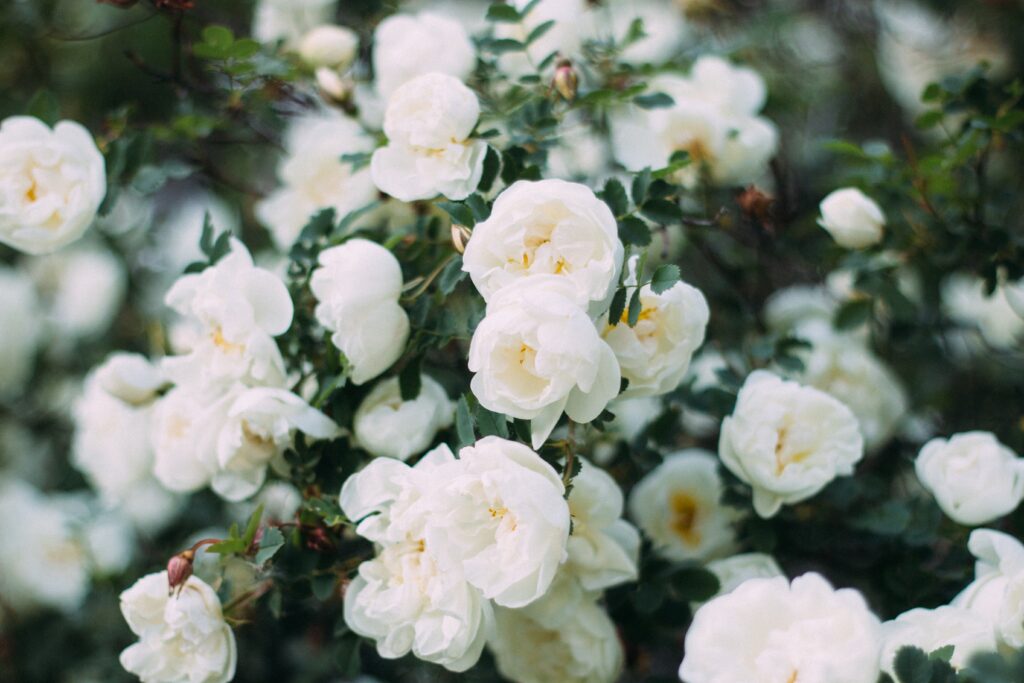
{"x": 179, "y": 568}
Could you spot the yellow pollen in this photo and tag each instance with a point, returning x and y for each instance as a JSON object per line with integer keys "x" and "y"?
{"x": 223, "y": 344}
{"x": 421, "y": 545}
{"x": 498, "y": 513}
{"x": 32, "y": 195}
{"x": 782, "y": 461}
{"x": 792, "y": 677}
{"x": 684, "y": 517}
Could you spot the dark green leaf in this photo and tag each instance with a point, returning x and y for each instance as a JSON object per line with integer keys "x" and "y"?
{"x": 464, "y": 423}
{"x": 694, "y": 585}
{"x": 633, "y": 230}
{"x": 479, "y": 206}
{"x": 912, "y": 666}
{"x": 270, "y": 543}
{"x": 633, "y": 315}
{"x": 614, "y": 195}
{"x": 499, "y": 11}
{"x": 490, "y": 423}
{"x": 662, "y": 211}
{"x": 539, "y": 31}
{"x": 451, "y": 276}
{"x": 503, "y": 45}
{"x": 409, "y": 380}
{"x": 641, "y": 183}
{"x": 459, "y": 212}
{"x": 44, "y": 106}
{"x": 654, "y": 100}
{"x": 854, "y": 314}
{"x": 492, "y": 164}
{"x": 665, "y": 277}
{"x": 618, "y": 306}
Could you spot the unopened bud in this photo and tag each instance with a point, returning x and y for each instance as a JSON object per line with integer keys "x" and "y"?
{"x": 328, "y": 45}
{"x": 566, "y": 80}
{"x": 179, "y": 568}
{"x": 332, "y": 84}
{"x": 460, "y": 236}
{"x": 757, "y": 203}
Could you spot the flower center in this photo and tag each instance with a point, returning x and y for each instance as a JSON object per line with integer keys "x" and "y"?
{"x": 32, "y": 194}
{"x": 497, "y": 513}
{"x": 784, "y": 459}
{"x": 223, "y": 344}
{"x": 685, "y": 511}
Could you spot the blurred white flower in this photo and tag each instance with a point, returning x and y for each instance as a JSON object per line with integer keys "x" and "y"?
{"x": 313, "y": 175}
{"x": 975, "y": 479}
{"x": 774, "y": 630}
{"x": 573, "y": 24}
{"x": 997, "y": 592}
{"x": 931, "y": 629}
{"x": 965, "y": 301}
{"x": 289, "y": 20}
{"x": 329, "y": 45}
{"x": 409, "y": 45}
{"x": 19, "y": 316}
{"x": 82, "y": 289}
{"x": 385, "y": 425}
{"x": 357, "y": 287}
{"x": 110, "y": 541}
{"x": 428, "y": 122}
{"x": 53, "y": 182}
{"x": 732, "y": 572}
{"x": 678, "y": 506}
{"x": 853, "y": 219}
{"x": 665, "y": 28}
{"x": 182, "y": 634}
{"x": 536, "y": 354}
{"x": 547, "y": 227}
{"x": 788, "y": 441}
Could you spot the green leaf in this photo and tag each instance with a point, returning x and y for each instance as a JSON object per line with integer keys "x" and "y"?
{"x": 912, "y": 666}
{"x": 218, "y": 36}
{"x": 692, "y": 584}
{"x": 451, "y": 276}
{"x": 490, "y": 423}
{"x": 253, "y": 525}
{"x": 665, "y": 277}
{"x": 44, "y": 106}
{"x": 459, "y": 213}
{"x": 464, "y": 423}
{"x": 662, "y": 211}
{"x": 633, "y": 230}
{"x": 929, "y": 119}
{"x": 614, "y": 195}
{"x": 641, "y": 184}
{"x": 633, "y": 315}
{"x": 347, "y": 656}
{"x": 502, "y": 45}
{"x": 410, "y": 379}
{"x": 539, "y": 31}
{"x": 654, "y": 100}
{"x": 492, "y": 164}
{"x": 618, "y": 306}
{"x": 499, "y": 11}
{"x": 854, "y": 314}
{"x": 270, "y": 543}
{"x": 323, "y": 586}
{"x": 479, "y": 206}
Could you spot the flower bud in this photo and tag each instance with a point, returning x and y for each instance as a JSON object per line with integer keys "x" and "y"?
{"x": 333, "y": 46}
{"x": 179, "y": 568}
{"x": 460, "y": 236}
{"x": 332, "y": 84}
{"x": 566, "y": 80}
{"x": 757, "y": 204}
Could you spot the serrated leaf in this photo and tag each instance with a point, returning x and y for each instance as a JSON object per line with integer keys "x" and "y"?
{"x": 464, "y": 423}
{"x": 618, "y": 307}
{"x": 633, "y": 231}
{"x": 614, "y": 195}
{"x": 912, "y": 665}
{"x": 633, "y": 314}
{"x": 500, "y": 11}
{"x": 665, "y": 277}
{"x": 479, "y": 206}
{"x": 641, "y": 183}
{"x": 459, "y": 213}
{"x": 270, "y": 543}
{"x": 490, "y": 423}
{"x": 662, "y": 211}
{"x": 853, "y": 314}
{"x": 451, "y": 276}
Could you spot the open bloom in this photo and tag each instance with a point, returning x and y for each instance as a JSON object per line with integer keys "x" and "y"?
{"x": 409, "y": 45}
{"x": 19, "y": 315}
{"x": 182, "y": 635}
{"x": 357, "y": 287}
{"x": 536, "y": 354}
{"x": 429, "y": 152}
{"x": 930, "y": 629}
{"x": 313, "y": 175}
{"x": 678, "y": 506}
{"x": 655, "y": 354}
{"x": 852, "y": 218}
{"x": 774, "y": 631}
{"x": 974, "y": 478}
{"x": 997, "y": 592}
{"x": 787, "y": 440}
{"x": 51, "y": 183}
{"x": 547, "y": 227}
{"x": 239, "y": 309}
{"x": 385, "y": 425}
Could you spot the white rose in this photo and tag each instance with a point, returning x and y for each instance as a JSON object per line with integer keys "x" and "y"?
{"x": 20, "y": 316}
{"x": 573, "y": 24}
{"x": 733, "y": 572}
{"x": 179, "y": 225}
{"x": 547, "y": 227}
{"x": 536, "y": 354}
{"x": 931, "y": 629}
{"x": 128, "y": 377}
{"x": 410, "y": 45}
{"x": 665, "y": 29}
{"x": 405, "y": 602}
{"x": 110, "y": 541}
{"x": 570, "y": 641}
{"x": 53, "y": 183}
{"x": 965, "y": 301}
{"x": 329, "y": 45}
{"x": 280, "y": 500}
{"x": 974, "y": 478}
{"x": 604, "y": 549}
{"x": 788, "y": 441}
{"x": 428, "y": 122}
{"x": 314, "y": 177}
{"x": 289, "y": 20}
{"x": 678, "y": 506}
{"x": 1014, "y": 293}
{"x": 997, "y": 592}
{"x": 795, "y": 306}
{"x": 42, "y": 563}
{"x": 82, "y": 289}
{"x": 852, "y": 218}
{"x": 655, "y": 354}
{"x": 182, "y": 634}
{"x": 240, "y": 309}
{"x": 357, "y": 286}
{"x": 498, "y": 515}
{"x": 385, "y": 425}
{"x": 774, "y": 630}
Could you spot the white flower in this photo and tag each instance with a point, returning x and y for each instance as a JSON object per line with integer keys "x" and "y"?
{"x": 965, "y": 301}
{"x": 852, "y": 218}
{"x": 289, "y": 20}
{"x": 19, "y": 315}
{"x": 655, "y": 354}
{"x": 573, "y": 24}
{"x": 82, "y": 289}
{"x": 179, "y": 225}
{"x": 798, "y": 305}
{"x": 357, "y": 286}
{"x": 604, "y": 549}
{"x": 774, "y": 630}
{"x": 405, "y": 602}
{"x": 733, "y": 572}
{"x": 678, "y": 506}
{"x": 498, "y": 515}
{"x": 974, "y": 478}
{"x": 182, "y": 635}
{"x": 410, "y": 45}
{"x": 997, "y": 592}
{"x": 713, "y": 118}
{"x": 536, "y": 354}
{"x": 52, "y": 181}
{"x": 931, "y": 629}
{"x": 42, "y": 563}
{"x": 665, "y": 29}
{"x": 227, "y": 440}
{"x": 329, "y": 45}
{"x": 843, "y": 368}
{"x": 787, "y": 441}
{"x": 385, "y": 425}
{"x": 428, "y": 122}
{"x": 110, "y": 542}
{"x": 240, "y": 309}
{"x": 571, "y": 640}
{"x": 280, "y": 501}
{"x": 314, "y": 177}
{"x": 547, "y": 227}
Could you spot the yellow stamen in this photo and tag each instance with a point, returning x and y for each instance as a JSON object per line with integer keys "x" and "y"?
{"x": 684, "y": 517}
